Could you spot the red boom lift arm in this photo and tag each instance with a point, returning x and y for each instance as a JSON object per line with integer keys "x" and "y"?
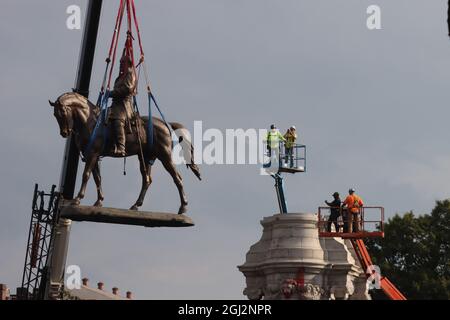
{"x": 364, "y": 258}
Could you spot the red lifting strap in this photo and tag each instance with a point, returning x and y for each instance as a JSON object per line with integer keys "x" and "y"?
{"x": 116, "y": 28}
{"x": 137, "y": 29}
{"x": 115, "y": 39}
{"x": 129, "y": 6}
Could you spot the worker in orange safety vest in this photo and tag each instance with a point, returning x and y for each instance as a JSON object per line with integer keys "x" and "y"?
{"x": 353, "y": 204}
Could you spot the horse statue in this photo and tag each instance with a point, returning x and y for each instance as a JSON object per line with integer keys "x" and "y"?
{"x": 78, "y": 116}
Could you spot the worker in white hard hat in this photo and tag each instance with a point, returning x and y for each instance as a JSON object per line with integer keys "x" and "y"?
{"x": 273, "y": 140}
{"x": 291, "y": 138}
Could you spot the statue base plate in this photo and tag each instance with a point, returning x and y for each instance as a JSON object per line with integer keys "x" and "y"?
{"x": 125, "y": 217}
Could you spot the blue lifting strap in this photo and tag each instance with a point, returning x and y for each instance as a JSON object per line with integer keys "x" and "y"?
{"x": 99, "y": 100}
{"x": 152, "y": 97}
{"x": 150, "y": 138}
{"x": 150, "y": 123}
{"x": 150, "y": 135}
{"x": 100, "y": 120}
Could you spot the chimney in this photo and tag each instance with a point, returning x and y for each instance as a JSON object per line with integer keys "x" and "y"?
{"x": 129, "y": 295}
{"x": 100, "y": 285}
{"x": 115, "y": 290}
{"x": 4, "y": 292}
{"x": 85, "y": 281}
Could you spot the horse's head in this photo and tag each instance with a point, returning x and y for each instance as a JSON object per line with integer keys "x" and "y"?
{"x": 64, "y": 116}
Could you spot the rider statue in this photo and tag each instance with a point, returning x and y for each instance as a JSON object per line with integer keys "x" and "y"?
{"x": 122, "y": 105}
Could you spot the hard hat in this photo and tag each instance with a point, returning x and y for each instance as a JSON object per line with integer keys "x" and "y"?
{"x": 293, "y": 127}
{"x": 351, "y": 190}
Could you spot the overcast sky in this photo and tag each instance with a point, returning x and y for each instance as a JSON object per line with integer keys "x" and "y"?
{"x": 372, "y": 107}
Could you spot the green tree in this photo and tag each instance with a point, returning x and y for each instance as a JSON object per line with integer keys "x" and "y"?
{"x": 414, "y": 254}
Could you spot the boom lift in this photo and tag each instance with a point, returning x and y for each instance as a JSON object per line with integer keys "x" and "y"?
{"x": 367, "y": 228}
{"x": 370, "y": 227}
{"x": 285, "y": 163}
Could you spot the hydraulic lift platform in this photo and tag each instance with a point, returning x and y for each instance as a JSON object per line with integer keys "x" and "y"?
{"x": 283, "y": 162}
{"x": 367, "y": 227}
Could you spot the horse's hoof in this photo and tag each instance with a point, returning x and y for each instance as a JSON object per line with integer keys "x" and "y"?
{"x": 134, "y": 208}
{"x": 75, "y": 202}
{"x": 182, "y": 210}
{"x": 98, "y": 204}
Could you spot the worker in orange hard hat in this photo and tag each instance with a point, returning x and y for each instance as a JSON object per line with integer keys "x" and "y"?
{"x": 353, "y": 203}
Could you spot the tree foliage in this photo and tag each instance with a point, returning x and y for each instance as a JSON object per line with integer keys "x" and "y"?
{"x": 414, "y": 254}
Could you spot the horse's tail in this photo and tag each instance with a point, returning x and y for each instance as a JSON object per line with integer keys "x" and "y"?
{"x": 187, "y": 146}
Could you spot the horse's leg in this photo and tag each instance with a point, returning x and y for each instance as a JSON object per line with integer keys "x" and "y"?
{"x": 90, "y": 163}
{"x": 146, "y": 173}
{"x": 98, "y": 183}
{"x": 170, "y": 167}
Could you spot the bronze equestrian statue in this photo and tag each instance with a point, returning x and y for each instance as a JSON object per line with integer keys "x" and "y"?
{"x": 78, "y": 116}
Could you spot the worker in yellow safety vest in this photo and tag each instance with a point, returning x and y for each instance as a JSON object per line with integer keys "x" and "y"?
{"x": 273, "y": 139}
{"x": 291, "y": 138}
{"x": 353, "y": 204}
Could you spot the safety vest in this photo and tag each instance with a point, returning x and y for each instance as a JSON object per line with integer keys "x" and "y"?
{"x": 353, "y": 203}
{"x": 290, "y": 139}
{"x": 274, "y": 138}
